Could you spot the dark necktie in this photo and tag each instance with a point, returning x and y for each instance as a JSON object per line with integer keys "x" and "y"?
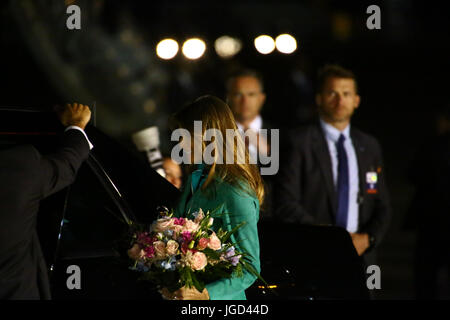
{"x": 342, "y": 184}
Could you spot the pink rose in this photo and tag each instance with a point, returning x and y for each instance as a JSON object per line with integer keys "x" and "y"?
{"x": 214, "y": 242}
{"x": 136, "y": 252}
{"x": 162, "y": 225}
{"x": 202, "y": 243}
{"x": 172, "y": 247}
{"x": 160, "y": 249}
{"x": 191, "y": 226}
{"x": 197, "y": 260}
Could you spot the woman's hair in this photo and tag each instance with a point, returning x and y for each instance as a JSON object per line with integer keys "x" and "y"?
{"x": 215, "y": 114}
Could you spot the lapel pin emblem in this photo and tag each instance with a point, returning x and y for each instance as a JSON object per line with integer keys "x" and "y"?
{"x": 371, "y": 182}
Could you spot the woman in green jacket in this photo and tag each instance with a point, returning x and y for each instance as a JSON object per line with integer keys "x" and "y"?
{"x": 234, "y": 192}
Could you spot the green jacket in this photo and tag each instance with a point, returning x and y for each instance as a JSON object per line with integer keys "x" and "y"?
{"x": 236, "y": 206}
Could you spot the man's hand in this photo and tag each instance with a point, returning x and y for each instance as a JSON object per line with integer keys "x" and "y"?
{"x": 74, "y": 115}
{"x": 360, "y": 241}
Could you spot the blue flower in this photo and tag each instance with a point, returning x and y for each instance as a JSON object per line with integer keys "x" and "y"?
{"x": 140, "y": 267}
{"x": 195, "y": 214}
{"x": 168, "y": 265}
{"x": 231, "y": 256}
{"x": 230, "y": 252}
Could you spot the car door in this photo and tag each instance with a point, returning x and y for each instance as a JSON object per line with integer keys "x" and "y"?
{"x": 114, "y": 187}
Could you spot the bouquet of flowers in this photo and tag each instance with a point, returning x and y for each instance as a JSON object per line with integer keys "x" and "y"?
{"x": 176, "y": 252}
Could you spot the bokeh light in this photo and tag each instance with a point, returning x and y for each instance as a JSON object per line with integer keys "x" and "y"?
{"x": 264, "y": 44}
{"x": 167, "y": 49}
{"x": 227, "y": 47}
{"x": 286, "y": 43}
{"x": 193, "y": 48}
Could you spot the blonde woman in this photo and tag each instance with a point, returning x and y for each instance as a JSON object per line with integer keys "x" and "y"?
{"x": 236, "y": 189}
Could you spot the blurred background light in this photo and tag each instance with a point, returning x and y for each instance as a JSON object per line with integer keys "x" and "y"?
{"x": 194, "y": 48}
{"x": 227, "y": 47}
{"x": 286, "y": 43}
{"x": 167, "y": 49}
{"x": 264, "y": 44}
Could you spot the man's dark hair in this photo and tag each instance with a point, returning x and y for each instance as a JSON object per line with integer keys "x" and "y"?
{"x": 334, "y": 71}
{"x": 244, "y": 73}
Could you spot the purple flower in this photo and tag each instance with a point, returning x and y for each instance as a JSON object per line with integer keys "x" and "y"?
{"x": 235, "y": 260}
{"x": 187, "y": 236}
{"x": 143, "y": 238}
{"x": 178, "y": 221}
{"x": 149, "y": 252}
{"x": 231, "y": 256}
{"x": 230, "y": 252}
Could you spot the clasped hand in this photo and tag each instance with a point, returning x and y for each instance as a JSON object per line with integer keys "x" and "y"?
{"x": 360, "y": 241}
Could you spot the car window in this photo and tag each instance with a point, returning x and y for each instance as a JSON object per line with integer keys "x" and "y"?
{"x": 92, "y": 222}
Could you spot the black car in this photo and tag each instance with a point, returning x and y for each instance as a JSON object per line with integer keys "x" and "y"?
{"x": 84, "y": 224}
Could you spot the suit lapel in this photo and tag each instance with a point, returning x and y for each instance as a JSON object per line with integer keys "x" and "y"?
{"x": 322, "y": 154}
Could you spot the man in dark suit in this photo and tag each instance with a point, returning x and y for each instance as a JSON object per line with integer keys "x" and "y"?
{"x": 331, "y": 173}
{"x": 27, "y": 177}
{"x": 245, "y": 96}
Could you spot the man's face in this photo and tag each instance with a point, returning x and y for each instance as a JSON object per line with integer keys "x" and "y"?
{"x": 338, "y": 99}
{"x": 245, "y": 98}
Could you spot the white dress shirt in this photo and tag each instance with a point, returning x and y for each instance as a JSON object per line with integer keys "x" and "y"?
{"x": 332, "y": 135}
{"x": 255, "y": 125}
{"x": 84, "y": 133}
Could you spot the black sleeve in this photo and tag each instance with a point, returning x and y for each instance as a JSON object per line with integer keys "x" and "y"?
{"x": 288, "y": 184}
{"x": 381, "y": 217}
{"x": 58, "y": 170}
